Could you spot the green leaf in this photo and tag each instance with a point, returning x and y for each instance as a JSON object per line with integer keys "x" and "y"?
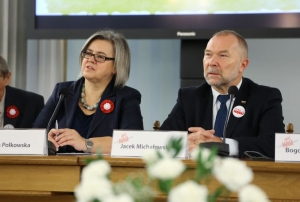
{"x": 216, "y": 194}
{"x": 165, "y": 185}
{"x": 203, "y": 171}
{"x": 159, "y": 154}
{"x": 174, "y": 144}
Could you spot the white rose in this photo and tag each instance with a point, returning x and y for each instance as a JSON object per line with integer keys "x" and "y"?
{"x": 150, "y": 156}
{"x": 91, "y": 189}
{"x": 95, "y": 169}
{"x": 205, "y": 153}
{"x": 166, "y": 168}
{"x": 194, "y": 154}
{"x": 165, "y": 153}
{"x": 119, "y": 198}
{"x": 188, "y": 191}
{"x": 233, "y": 173}
{"x": 252, "y": 193}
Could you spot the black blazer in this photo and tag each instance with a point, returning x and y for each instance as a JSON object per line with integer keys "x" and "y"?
{"x": 28, "y": 105}
{"x": 255, "y": 131}
{"x": 126, "y": 113}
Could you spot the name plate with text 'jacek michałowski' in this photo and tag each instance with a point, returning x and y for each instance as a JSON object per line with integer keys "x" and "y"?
{"x": 23, "y": 142}
{"x": 129, "y": 143}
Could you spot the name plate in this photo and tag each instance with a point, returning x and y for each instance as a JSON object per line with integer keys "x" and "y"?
{"x": 287, "y": 147}
{"x": 127, "y": 143}
{"x": 20, "y": 142}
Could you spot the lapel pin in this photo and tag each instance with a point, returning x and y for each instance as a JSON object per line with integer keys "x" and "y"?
{"x": 238, "y": 111}
{"x": 243, "y": 102}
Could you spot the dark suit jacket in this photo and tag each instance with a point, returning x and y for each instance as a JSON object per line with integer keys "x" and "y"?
{"x": 28, "y": 104}
{"x": 255, "y": 131}
{"x": 126, "y": 113}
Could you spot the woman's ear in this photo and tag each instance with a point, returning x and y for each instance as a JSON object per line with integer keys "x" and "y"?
{"x": 7, "y": 79}
{"x": 114, "y": 70}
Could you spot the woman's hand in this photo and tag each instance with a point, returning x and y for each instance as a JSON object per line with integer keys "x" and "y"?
{"x": 66, "y": 136}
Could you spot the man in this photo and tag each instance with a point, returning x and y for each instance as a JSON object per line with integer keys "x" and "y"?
{"x": 18, "y": 108}
{"x": 256, "y": 113}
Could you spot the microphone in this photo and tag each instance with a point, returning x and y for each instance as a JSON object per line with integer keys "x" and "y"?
{"x": 223, "y": 147}
{"x": 232, "y": 91}
{"x": 63, "y": 93}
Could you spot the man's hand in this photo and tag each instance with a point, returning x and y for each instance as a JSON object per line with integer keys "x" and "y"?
{"x": 199, "y": 135}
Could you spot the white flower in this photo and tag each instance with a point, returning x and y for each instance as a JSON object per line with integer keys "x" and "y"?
{"x": 96, "y": 169}
{"x": 188, "y": 191}
{"x": 194, "y": 153}
{"x": 171, "y": 153}
{"x": 167, "y": 168}
{"x": 252, "y": 193}
{"x": 233, "y": 173}
{"x": 150, "y": 156}
{"x": 119, "y": 198}
{"x": 205, "y": 153}
{"x": 93, "y": 188}
{"x": 166, "y": 154}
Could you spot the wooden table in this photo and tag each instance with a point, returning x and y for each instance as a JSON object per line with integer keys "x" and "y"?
{"x": 53, "y": 178}
{"x": 38, "y": 178}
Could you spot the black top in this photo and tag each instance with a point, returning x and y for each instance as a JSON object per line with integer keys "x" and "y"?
{"x": 81, "y": 123}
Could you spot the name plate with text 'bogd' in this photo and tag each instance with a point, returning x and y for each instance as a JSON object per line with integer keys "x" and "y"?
{"x": 287, "y": 147}
{"x": 127, "y": 143}
{"x": 23, "y": 142}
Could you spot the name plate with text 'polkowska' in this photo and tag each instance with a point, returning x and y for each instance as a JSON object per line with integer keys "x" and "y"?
{"x": 129, "y": 143}
{"x": 22, "y": 141}
{"x": 287, "y": 147}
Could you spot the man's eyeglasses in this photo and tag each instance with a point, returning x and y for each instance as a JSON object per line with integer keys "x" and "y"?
{"x": 97, "y": 57}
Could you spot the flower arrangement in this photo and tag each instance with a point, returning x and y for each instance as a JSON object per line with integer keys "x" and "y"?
{"x": 163, "y": 168}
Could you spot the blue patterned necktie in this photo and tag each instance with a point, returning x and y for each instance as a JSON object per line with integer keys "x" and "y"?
{"x": 221, "y": 116}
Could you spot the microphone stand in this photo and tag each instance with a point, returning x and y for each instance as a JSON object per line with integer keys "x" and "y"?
{"x": 51, "y": 147}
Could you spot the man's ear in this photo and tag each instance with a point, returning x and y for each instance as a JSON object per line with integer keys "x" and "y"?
{"x": 244, "y": 65}
{"x": 7, "y": 79}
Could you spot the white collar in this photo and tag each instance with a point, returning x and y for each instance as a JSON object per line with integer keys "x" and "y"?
{"x": 3, "y": 98}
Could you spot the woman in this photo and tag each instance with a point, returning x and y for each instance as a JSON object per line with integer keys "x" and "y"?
{"x": 98, "y": 102}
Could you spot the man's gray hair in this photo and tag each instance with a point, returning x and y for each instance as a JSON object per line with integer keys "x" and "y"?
{"x": 241, "y": 40}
